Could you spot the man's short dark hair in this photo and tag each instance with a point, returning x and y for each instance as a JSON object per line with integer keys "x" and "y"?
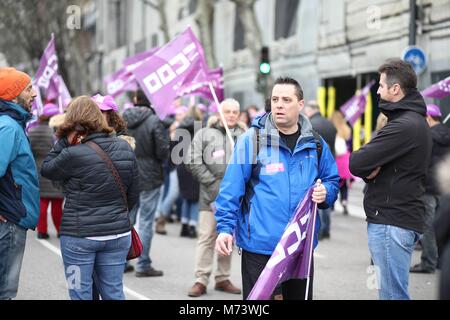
{"x": 401, "y": 72}
{"x": 298, "y": 87}
{"x": 141, "y": 99}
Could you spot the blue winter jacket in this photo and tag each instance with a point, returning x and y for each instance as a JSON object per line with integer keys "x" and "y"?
{"x": 256, "y": 202}
{"x": 19, "y": 184}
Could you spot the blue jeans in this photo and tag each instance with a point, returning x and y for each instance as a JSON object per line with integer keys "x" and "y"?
{"x": 391, "y": 249}
{"x": 166, "y": 202}
{"x": 148, "y": 201}
{"x": 83, "y": 257}
{"x": 12, "y": 247}
{"x": 189, "y": 212}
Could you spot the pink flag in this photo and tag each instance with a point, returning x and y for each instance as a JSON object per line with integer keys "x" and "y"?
{"x": 180, "y": 62}
{"x": 49, "y": 80}
{"x": 354, "y": 108}
{"x": 438, "y": 90}
{"x": 46, "y": 76}
{"x": 200, "y": 88}
{"x": 292, "y": 256}
{"x": 124, "y": 80}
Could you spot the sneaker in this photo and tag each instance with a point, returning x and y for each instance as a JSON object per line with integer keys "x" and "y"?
{"x": 43, "y": 235}
{"x": 197, "y": 290}
{"x": 149, "y": 273}
{"x": 227, "y": 286}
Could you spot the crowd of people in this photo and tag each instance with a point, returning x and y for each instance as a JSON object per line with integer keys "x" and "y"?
{"x": 101, "y": 171}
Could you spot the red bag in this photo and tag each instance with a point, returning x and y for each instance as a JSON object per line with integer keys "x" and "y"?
{"x": 136, "y": 244}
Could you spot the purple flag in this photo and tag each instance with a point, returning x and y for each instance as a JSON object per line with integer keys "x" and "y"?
{"x": 438, "y": 90}
{"x": 292, "y": 256}
{"x": 180, "y": 62}
{"x": 46, "y": 76}
{"x": 49, "y": 80}
{"x": 120, "y": 82}
{"x": 354, "y": 108}
{"x": 201, "y": 88}
{"x": 124, "y": 80}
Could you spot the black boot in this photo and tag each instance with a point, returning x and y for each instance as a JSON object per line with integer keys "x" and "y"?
{"x": 192, "y": 232}
{"x": 184, "y": 230}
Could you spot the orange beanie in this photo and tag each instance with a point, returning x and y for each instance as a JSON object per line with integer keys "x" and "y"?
{"x": 12, "y": 83}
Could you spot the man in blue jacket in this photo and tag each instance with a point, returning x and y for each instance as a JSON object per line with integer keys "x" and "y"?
{"x": 19, "y": 184}
{"x": 256, "y": 201}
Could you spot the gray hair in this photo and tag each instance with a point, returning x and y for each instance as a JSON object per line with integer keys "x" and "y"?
{"x": 230, "y": 102}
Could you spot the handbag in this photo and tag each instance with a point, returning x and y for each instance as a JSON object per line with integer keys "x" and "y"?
{"x": 136, "y": 244}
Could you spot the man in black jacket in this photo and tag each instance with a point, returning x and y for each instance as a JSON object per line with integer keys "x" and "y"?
{"x": 326, "y": 129}
{"x": 152, "y": 149}
{"x": 440, "y": 135}
{"x": 394, "y": 165}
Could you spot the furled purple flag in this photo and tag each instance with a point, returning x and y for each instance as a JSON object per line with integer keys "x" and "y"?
{"x": 120, "y": 82}
{"x": 49, "y": 80}
{"x": 201, "y": 88}
{"x": 46, "y": 76}
{"x": 354, "y": 108}
{"x": 124, "y": 80}
{"x": 180, "y": 62}
{"x": 438, "y": 90}
{"x": 291, "y": 258}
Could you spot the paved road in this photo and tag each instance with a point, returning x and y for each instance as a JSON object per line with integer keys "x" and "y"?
{"x": 342, "y": 270}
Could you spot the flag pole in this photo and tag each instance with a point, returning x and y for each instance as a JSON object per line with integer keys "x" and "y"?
{"x": 311, "y": 251}
{"x": 213, "y": 92}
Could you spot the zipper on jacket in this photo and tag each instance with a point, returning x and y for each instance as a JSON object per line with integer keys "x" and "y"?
{"x": 391, "y": 185}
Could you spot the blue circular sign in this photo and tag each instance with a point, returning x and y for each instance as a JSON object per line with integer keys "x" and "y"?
{"x": 416, "y": 57}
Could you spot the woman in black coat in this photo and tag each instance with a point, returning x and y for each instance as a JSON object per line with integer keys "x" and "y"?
{"x": 95, "y": 229}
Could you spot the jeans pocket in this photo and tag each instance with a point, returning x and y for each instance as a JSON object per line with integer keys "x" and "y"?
{"x": 408, "y": 238}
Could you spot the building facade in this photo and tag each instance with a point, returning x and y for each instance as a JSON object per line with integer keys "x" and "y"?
{"x": 333, "y": 47}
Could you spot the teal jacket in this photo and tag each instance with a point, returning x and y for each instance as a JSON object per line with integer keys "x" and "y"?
{"x": 19, "y": 183}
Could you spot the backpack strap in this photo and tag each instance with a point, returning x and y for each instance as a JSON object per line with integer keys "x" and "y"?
{"x": 318, "y": 140}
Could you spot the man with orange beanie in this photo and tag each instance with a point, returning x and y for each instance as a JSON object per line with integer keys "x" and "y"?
{"x": 19, "y": 184}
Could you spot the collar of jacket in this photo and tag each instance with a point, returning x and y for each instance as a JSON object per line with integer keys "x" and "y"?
{"x": 412, "y": 101}
{"x": 270, "y": 132}
{"x": 94, "y": 136}
{"x": 15, "y": 111}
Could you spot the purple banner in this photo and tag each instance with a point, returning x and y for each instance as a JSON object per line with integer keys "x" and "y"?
{"x": 201, "y": 88}
{"x": 46, "y": 76}
{"x": 178, "y": 63}
{"x": 438, "y": 90}
{"x": 354, "y": 108}
{"x": 49, "y": 80}
{"x": 124, "y": 80}
{"x": 291, "y": 258}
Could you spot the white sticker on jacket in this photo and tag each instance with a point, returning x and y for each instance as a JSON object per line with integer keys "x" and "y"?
{"x": 275, "y": 167}
{"x": 218, "y": 154}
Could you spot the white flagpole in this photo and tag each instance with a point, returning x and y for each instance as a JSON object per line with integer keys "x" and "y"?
{"x": 311, "y": 250}
{"x": 213, "y": 92}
